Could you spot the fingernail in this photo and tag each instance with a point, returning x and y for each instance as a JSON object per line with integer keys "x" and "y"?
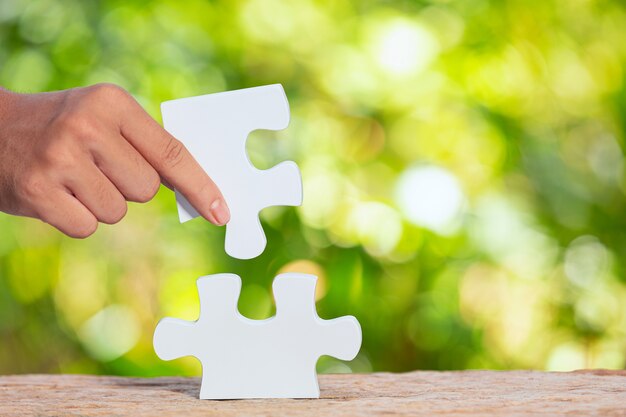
{"x": 220, "y": 212}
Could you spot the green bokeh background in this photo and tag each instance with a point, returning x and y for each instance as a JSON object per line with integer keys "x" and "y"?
{"x": 464, "y": 184}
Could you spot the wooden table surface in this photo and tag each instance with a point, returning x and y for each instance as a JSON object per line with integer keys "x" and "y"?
{"x": 467, "y": 393}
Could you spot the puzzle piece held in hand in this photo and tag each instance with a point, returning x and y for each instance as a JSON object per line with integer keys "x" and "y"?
{"x": 272, "y": 358}
{"x": 214, "y": 128}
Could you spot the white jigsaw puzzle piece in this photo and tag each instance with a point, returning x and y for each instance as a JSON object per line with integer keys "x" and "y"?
{"x": 244, "y": 358}
{"x": 215, "y": 128}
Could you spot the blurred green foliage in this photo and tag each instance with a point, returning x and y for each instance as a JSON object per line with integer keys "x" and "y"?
{"x": 463, "y": 166}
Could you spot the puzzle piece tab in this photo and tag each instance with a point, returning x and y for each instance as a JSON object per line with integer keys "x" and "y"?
{"x": 272, "y": 358}
{"x": 214, "y": 128}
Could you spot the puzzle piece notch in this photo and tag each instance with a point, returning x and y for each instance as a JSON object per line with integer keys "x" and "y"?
{"x": 272, "y": 358}
{"x": 215, "y": 129}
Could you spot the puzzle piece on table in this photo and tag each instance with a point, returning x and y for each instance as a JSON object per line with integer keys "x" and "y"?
{"x": 244, "y": 358}
{"x": 215, "y": 128}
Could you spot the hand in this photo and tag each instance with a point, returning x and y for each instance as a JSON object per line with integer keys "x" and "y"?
{"x": 73, "y": 158}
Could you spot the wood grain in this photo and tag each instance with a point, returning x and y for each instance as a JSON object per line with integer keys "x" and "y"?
{"x": 467, "y": 393}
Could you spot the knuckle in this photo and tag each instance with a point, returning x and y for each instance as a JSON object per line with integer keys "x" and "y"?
{"x": 115, "y": 212}
{"x": 77, "y": 124}
{"x": 57, "y": 154}
{"x": 173, "y": 153}
{"x": 150, "y": 188}
{"x": 72, "y": 132}
{"x": 107, "y": 91}
{"x": 32, "y": 186}
{"x": 83, "y": 228}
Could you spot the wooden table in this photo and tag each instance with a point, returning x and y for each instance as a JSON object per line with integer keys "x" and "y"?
{"x": 468, "y": 393}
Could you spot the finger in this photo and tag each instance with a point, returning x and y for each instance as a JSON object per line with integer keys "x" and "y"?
{"x": 167, "y": 184}
{"x": 63, "y": 211}
{"x": 174, "y": 163}
{"x": 96, "y": 192}
{"x": 129, "y": 172}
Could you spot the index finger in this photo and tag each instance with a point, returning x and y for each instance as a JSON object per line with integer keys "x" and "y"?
{"x": 176, "y": 166}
